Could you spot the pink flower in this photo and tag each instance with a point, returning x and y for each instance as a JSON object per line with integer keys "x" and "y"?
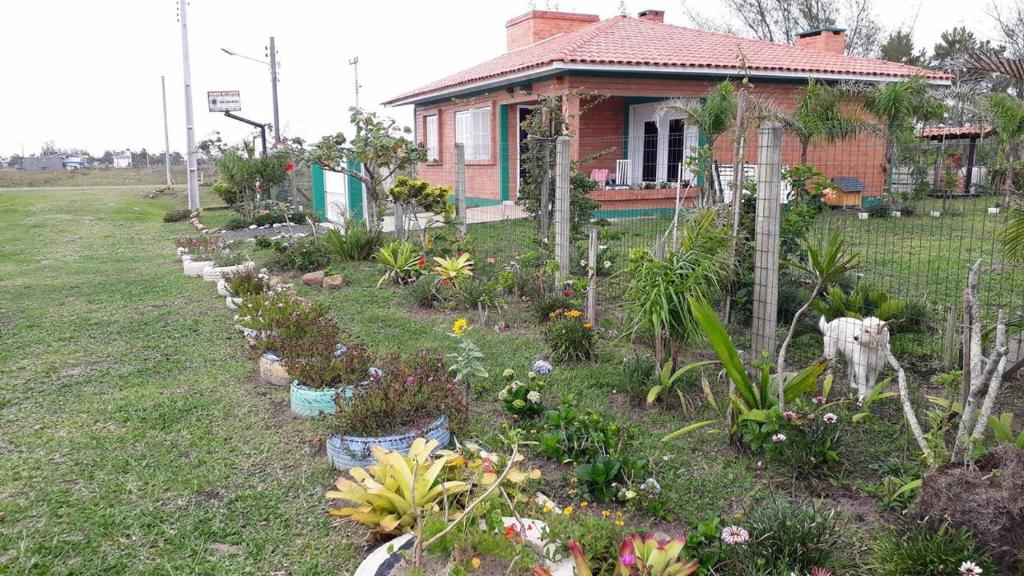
{"x": 819, "y": 399}
{"x": 627, "y": 553}
{"x": 789, "y": 415}
{"x": 733, "y": 535}
{"x": 490, "y": 260}
{"x": 830, "y": 418}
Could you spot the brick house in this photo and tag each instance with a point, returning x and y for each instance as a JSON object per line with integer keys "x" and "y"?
{"x": 619, "y": 72}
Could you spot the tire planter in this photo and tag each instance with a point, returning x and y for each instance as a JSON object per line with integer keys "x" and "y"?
{"x": 215, "y": 273}
{"x": 195, "y": 267}
{"x": 309, "y": 402}
{"x": 272, "y": 371}
{"x": 344, "y": 452}
{"x": 386, "y": 559}
{"x": 222, "y": 288}
{"x": 232, "y": 302}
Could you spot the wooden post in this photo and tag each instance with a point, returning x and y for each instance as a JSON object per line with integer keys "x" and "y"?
{"x": 562, "y": 216}
{"x": 592, "y": 276}
{"x": 766, "y": 242}
{"x": 460, "y": 186}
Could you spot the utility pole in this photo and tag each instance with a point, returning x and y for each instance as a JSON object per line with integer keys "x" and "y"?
{"x": 273, "y": 91}
{"x": 190, "y": 135}
{"x": 167, "y": 138}
{"x": 355, "y": 67}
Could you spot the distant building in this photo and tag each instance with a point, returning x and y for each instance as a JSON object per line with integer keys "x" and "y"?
{"x": 73, "y": 162}
{"x": 123, "y": 160}
{"x": 37, "y": 163}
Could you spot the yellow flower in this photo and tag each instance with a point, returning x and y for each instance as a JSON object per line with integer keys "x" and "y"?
{"x": 605, "y": 513}
{"x": 619, "y": 513}
{"x": 620, "y": 523}
{"x": 584, "y": 504}
{"x": 567, "y": 511}
{"x": 459, "y": 326}
{"x": 475, "y": 562}
{"x": 572, "y": 492}
{"x": 588, "y": 325}
{"x": 572, "y": 314}
{"x": 548, "y": 509}
{"x": 574, "y": 480}
{"x": 533, "y": 431}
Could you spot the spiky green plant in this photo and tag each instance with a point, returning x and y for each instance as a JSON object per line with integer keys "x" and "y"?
{"x": 819, "y": 116}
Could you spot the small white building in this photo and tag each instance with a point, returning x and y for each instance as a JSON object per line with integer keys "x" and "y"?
{"x": 122, "y": 160}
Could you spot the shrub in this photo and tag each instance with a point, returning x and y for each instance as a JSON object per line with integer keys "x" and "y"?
{"x": 785, "y": 538}
{"x": 638, "y": 375}
{"x": 522, "y": 399}
{"x": 304, "y": 255}
{"x": 246, "y": 283}
{"x": 548, "y": 304}
{"x": 278, "y": 316}
{"x": 177, "y": 215}
{"x": 919, "y": 549}
{"x": 478, "y": 294}
{"x": 401, "y": 263}
{"x": 235, "y": 222}
{"x": 879, "y": 210}
{"x": 263, "y": 243}
{"x": 356, "y": 244}
{"x": 570, "y": 337}
{"x": 315, "y": 359}
{"x": 806, "y": 435}
{"x": 228, "y": 257}
{"x": 422, "y": 291}
{"x": 404, "y": 395}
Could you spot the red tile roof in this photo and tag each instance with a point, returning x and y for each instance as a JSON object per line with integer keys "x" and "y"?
{"x": 957, "y": 132}
{"x": 632, "y": 42}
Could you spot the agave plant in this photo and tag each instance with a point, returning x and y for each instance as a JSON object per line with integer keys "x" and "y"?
{"x": 389, "y": 495}
{"x": 400, "y": 263}
{"x": 643, "y": 556}
{"x": 455, "y": 269}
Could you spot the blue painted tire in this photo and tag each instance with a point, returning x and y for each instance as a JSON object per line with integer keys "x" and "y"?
{"x": 344, "y": 452}
{"x": 309, "y": 402}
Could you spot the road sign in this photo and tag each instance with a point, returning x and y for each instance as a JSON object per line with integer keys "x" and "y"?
{"x": 224, "y": 101}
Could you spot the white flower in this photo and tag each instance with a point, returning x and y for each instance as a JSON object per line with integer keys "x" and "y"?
{"x": 733, "y": 535}
{"x": 583, "y": 263}
{"x": 542, "y": 367}
{"x": 503, "y": 394}
{"x": 533, "y": 396}
{"x": 778, "y": 437}
{"x": 830, "y": 418}
{"x": 515, "y": 385}
{"x": 969, "y": 568}
{"x": 602, "y": 247}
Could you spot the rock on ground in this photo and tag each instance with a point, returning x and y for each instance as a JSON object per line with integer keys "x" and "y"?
{"x": 313, "y": 278}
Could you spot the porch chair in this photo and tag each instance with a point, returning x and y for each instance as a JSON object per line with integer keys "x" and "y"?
{"x": 600, "y": 175}
{"x": 623, "y": 172}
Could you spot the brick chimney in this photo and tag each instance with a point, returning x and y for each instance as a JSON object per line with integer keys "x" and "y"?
{"x": 536, "y": 25}
{"x": 824, "y": 39}
{"x": 652, "y": 15}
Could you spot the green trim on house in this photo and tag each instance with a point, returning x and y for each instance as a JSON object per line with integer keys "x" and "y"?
{"x": 633, "y": 212}
{"x": 472, "y": 202}
{"x": 355, "y": 193}
{"x": 319, "y": 196}
{"x": 503, "y": 146}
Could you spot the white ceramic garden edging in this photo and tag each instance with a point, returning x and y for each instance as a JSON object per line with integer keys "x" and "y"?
{"x": 386, "y": 558}
{"x": 272, "y": 371}
{"x": 195, "y": 267}
{"x": 344, "y": 452}
{"x": 215, "y": 273}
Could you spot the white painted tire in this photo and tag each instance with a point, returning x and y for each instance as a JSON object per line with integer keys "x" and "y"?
{"x": 232, "y": 302}
{"x": 215, "y": 273}
{"x": 222, "y": 288}
{"x": 195, "y": 268}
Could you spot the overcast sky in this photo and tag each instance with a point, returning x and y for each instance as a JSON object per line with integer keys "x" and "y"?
{"x": 86, "y": 74}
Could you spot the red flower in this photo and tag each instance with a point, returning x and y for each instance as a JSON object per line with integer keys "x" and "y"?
{"x": 511, "y": 532}
{"x": 289, "y": 167}
{"x": 567, "y": 293}
{"x": 422, "y": 262}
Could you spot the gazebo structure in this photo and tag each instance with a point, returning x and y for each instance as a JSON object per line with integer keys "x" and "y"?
{"x": 956, "y": 138}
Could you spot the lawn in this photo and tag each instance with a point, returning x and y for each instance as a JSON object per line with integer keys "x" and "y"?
{"x": 136, "y": 437}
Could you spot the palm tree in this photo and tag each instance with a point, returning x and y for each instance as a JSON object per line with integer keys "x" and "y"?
{"x": 713, "y": 116}
{"x": 1007, "y": 114}
{"x": 818, "y": 117}
{"x": 899, "y": 106}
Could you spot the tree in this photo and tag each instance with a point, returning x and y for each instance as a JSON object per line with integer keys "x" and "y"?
{"x": 14, "y": 161}
{"x": 1007, "y": 116}
{"x": 899, "y": 47}
{"x": 781, "y": 20}
{"x": 380, "y": 147}
{"x": 818, "y": 116}
{"x": 48, "y": 149}
{"x": 108, "y": 157}
{"x": 969, "y": 85}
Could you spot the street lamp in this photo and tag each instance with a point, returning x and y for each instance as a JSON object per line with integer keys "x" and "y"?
{"x": 273, "y": 81}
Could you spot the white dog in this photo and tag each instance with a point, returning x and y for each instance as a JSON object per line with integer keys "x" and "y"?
{"x": 864, "y": 343}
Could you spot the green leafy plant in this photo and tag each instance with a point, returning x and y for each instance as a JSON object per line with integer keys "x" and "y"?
{"x": 453, "y": 270}
{"x": 603, "y": 537}
{"x": 403, "y": 395}
{"x": 860, "y": 302}
{"x": 357, "y": 243}
{"x": 417, "y": 195}
{"x": 643, "y": 556}
{"x": 177, "y": 215}
{"x": 467, "y": 362}
{"x": 599, "y": 478}
{"x": 305, "y": 254}
{"x": 390, "y": 495}
{"x": 667, "y": 378}
{"x": 522, "y": 400}
{"x": 401, "y": 264}
{"x": 246, "y": 283}
{"x": 787, "y": 538}
{"x": 897, "y": 493}
{"x": 657, "y": 290}
{"x": 1002, "y": 430}
{"x": 313, "y": 356}
{"x": 918, "y": 548}
{"x": 229, "y": 257}
{"x": 570, "y": 337}
{"x": 639, "y": 374}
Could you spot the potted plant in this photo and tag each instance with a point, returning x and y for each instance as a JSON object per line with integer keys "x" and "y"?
{"x": 195, "y": 253}
{"x": 324, "y": 371}
{"x": 227, "y": 262}
{"x": 242, "y": 284}
{"x": 404, "y": 400}
{"x": 262, "y": 317}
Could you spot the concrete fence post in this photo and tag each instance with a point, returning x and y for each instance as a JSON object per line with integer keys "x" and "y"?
{"x": 592, "y": 276}
{"x": 562, "y": 216}
{"x": 545, "y": 192}
{"x": 460, "y": 186}
{"x": 766, "y": 241}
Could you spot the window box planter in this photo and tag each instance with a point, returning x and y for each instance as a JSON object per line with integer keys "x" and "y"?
{"x": 309, "y": 402}
{"x": 386, "y": 559}
{"x": 195, "y": 267}
{"x": 344, "y": 452}
{"x": 272, "y": 371}
{"x": 215, "y": 273}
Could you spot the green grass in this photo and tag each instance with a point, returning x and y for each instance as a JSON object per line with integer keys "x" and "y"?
{"x": 91, "y": 177}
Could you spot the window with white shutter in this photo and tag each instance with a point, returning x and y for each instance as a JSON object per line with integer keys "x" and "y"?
{"x": 433, "y": 146}
{"x": 473, "y": 130}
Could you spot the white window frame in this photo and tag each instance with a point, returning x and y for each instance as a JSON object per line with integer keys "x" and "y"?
{"x": 656, "y": 111}
{"x": 473, "y": 130}
{"x": 431, "y": 137}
